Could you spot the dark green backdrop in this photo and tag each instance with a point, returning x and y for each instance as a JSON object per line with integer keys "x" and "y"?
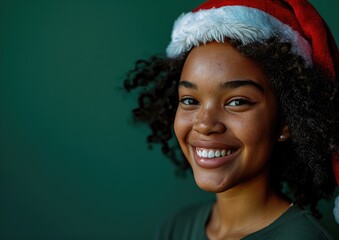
{"x": 72, "y": 166}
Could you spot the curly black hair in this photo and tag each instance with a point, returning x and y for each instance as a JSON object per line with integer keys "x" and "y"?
{"x": 307, "y": 103}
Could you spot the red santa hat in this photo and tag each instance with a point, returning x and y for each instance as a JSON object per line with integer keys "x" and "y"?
{"x": 294, "y": 21}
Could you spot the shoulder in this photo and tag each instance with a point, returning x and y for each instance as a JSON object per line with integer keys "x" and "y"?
{"x": 188, "y": 223}
{"x": 295, "y": 223}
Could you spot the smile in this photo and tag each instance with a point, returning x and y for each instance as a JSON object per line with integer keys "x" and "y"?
{"x": 212, "y": 153}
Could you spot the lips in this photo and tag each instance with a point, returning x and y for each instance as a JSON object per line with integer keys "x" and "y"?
{"x": 213, "y": 155}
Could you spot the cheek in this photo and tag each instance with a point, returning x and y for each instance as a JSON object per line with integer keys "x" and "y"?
{"x": 254, "y": 128}
{"x": 182, "y": 125}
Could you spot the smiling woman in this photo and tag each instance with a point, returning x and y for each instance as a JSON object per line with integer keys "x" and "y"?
{"x": 232, "y": 109}
{"x": 251, "y": 94}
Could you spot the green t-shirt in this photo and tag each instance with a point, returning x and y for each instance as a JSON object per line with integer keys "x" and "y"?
{"x": 295, "y": 223}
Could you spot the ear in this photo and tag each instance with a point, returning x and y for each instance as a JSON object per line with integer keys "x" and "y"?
{"x": 284, "y": 134}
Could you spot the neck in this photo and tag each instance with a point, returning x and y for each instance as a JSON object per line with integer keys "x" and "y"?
{"x": 245, "y": 209}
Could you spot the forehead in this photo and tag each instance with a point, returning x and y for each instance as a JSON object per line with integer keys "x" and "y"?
{"x": 220, "y": 62}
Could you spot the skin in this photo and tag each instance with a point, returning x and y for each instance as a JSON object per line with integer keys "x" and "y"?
{"x": 227, "y": 103}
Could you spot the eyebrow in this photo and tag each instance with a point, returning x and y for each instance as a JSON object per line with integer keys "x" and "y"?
{"x": 187, "y": 84}
{"x": 228, "y": 85}
{"x": 241, "y": 83}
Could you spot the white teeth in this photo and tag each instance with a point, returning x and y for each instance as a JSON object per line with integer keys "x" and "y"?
{"x": 217, "y": 153}
{"x": 209, "y": 153}
{"x": 204, "y": 153}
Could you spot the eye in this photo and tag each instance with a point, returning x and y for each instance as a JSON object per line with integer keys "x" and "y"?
{"x": 239, "y": 102}
{"x": 188, "y": 101}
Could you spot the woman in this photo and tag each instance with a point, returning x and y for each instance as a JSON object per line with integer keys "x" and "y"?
{"x": 251, "y": 91}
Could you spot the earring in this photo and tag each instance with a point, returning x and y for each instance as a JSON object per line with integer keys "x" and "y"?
{"x": 282, "y": 137}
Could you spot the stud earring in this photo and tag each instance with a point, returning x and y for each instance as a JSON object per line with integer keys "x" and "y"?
{"x": 281, "y": 137}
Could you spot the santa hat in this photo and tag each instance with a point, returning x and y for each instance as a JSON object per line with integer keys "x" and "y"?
{"x": 294, "y": 21}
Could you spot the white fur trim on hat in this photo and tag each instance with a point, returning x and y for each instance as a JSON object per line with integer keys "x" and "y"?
{"x": 336, "y": 209}
{"x": 236, "y": 22}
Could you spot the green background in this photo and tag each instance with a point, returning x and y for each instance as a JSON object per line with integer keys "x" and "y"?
{"x": 72, "y": 166}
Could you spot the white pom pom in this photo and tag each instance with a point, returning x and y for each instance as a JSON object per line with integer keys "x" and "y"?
{"x": 336, "y": 209}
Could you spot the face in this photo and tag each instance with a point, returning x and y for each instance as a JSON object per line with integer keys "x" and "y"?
{"x": 226, "y": 121}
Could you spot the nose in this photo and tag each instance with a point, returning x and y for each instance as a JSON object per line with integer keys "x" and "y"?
{"x": 208, "y": 122}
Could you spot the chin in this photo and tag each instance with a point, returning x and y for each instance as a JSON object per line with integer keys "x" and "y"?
{"x": 211, "y": 184}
